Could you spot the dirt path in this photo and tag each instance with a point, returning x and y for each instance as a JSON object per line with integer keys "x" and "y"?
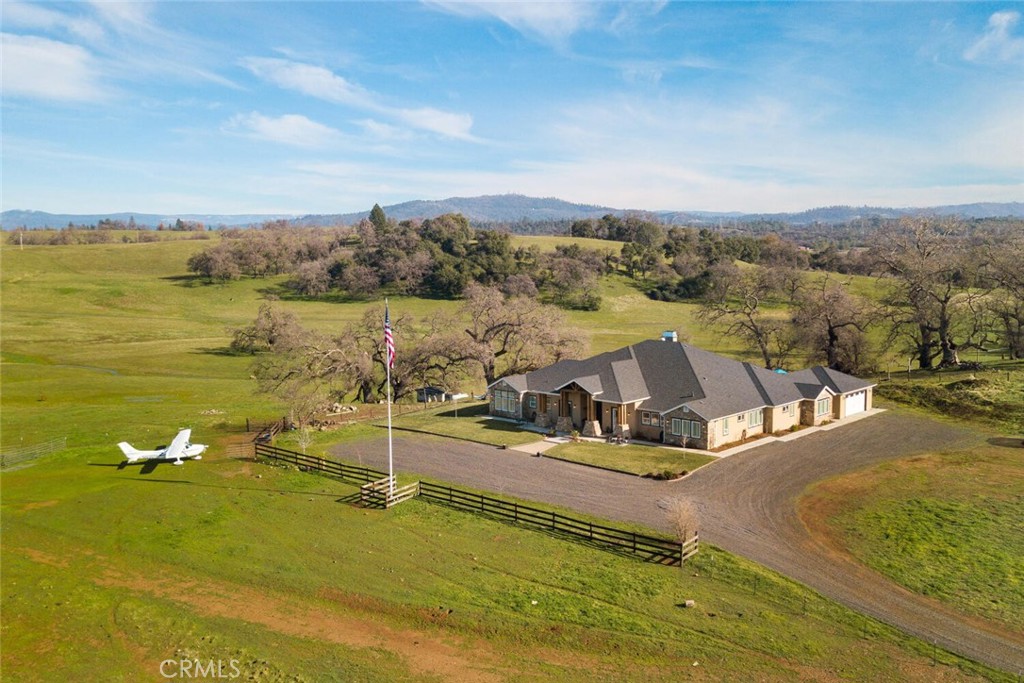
{"x": 748, "y": 505}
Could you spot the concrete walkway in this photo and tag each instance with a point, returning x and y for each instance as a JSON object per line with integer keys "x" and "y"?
{"x": 547, "y": 443}
{"x": 535, "y": 447}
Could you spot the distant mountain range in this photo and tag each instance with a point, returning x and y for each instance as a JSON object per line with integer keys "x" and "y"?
{"x": 9, "y": 220}
{"x": 514, "y": 208}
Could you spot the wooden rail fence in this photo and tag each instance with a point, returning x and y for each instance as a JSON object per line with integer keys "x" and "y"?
{"x": 651, "y": 548}
{"x": 265, "y": 431}
{"x": 312, "y": 462}
{"x": 376, "y": 491}
{"x": 689, "y": 548}
{"x": 380, "y": 494}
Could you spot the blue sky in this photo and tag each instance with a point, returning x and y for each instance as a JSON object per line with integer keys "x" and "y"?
{"x": 329, "y": 107}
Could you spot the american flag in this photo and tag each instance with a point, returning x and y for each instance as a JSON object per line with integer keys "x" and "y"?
{"x": 389, "y": 340}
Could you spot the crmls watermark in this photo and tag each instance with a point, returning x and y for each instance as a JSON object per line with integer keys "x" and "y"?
{"x": 195, "y": 668}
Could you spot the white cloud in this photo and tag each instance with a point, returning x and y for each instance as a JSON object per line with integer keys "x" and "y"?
{"x": 324, "y": 84}
{"x": 290, "y": 129}
{"x": 632, "y": 14}
{"x": 441, "y": 122}
{"x": 47, "y": 69}
{"x": 551, "y": 22}
{"x": 121, "y": 41}
{"x": 998, "y": 44}
{"x": 126, "y": 16}
{"x": 384, "y": 131}
{"x": 314, "y": 81}
{"x": 22, "y": 15}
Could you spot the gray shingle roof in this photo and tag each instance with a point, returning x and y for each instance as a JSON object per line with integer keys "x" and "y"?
{"x": 839, "y": 382}
{"x": 666, "y": 375}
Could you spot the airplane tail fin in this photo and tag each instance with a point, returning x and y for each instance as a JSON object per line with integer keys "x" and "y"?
{"x": 132, "y": 454}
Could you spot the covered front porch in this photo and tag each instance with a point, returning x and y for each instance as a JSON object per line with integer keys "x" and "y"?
{"x": 582, "y": 411}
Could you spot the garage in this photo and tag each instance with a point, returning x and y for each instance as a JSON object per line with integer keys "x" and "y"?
{"x": 856, "y": 403}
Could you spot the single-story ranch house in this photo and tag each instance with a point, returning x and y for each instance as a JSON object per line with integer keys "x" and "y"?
{"x": 674, "y": 393}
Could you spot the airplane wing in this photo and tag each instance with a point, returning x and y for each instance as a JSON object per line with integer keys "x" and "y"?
{"x": 133, "y": 454}
{"x": 176, "y": 451}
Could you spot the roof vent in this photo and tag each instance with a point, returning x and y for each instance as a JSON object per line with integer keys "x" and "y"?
{"x": 669, "y": 335}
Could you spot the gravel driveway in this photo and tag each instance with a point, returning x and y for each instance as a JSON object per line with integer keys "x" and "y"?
{"x": 748, "y": 507}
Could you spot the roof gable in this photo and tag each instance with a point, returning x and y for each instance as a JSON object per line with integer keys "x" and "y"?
{"x": 590, "y": 384}
{"x": 838, "y": 382}
{"x": 667, "y": 375}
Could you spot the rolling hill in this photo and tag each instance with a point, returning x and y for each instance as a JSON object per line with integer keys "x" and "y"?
{"x": 513, "y": 208}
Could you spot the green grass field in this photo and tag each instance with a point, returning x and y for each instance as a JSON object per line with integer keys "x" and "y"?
{"x": 108, "y": 572}
{"x": 233, "y": 560}
{"x": 466, "y": 421}
{"x": 947, "y": 525}
{"x": 635, "y": 459}
{"x": 993, "y": 397}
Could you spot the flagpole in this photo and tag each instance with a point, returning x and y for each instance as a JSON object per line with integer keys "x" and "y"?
{"x": 388, "y": 355}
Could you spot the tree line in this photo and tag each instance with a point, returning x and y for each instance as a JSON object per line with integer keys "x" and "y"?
{"x": 945, "y": 288}
{"x": 493, "y": 334}
{"x": 437, "y": 257}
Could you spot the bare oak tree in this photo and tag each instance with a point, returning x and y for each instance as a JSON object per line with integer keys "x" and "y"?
{"x": 1006, "y": 303}
{"x": 933, "y": 281}
{"x": 737, "y": 301}
{"x": 511, "y": 335}
{"x": 832, "y": 323}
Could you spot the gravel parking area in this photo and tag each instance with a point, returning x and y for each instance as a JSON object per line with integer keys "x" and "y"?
{"x": 748, "y": 507}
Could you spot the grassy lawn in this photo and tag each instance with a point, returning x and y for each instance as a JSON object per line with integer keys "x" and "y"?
{"x": 946, "y": 525}
{"x": 636, "y": 459}
{"x": 471, "y": 422}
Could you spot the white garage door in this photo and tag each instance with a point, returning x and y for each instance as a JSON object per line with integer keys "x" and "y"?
{"x": 855, "y": 403}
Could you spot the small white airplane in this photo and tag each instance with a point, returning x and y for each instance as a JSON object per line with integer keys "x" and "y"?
{"x": 179, "y": 450}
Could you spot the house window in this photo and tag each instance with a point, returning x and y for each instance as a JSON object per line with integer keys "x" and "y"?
{"x": 725, "y": 426}
{"x": 532, "y": 401}
{"x": 787, "y": 410}
{"x": 687, "y": 428}
{"x": 506, "y": 401}
{"x": 756, "y": 418}
{"x": 739, "y": 418}
{"x": 824, "y": 406}
{"x": 655, "y": 419}
{"x": 645, "y": 417}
